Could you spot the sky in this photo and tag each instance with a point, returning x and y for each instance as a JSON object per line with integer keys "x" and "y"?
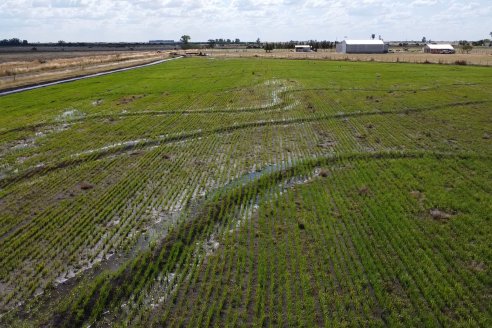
{"x": 269, "y": 20}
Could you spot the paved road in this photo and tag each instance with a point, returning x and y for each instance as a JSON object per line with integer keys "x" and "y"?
{"x": 47, "y": 84}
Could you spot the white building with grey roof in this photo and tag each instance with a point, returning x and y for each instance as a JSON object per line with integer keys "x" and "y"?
{"x": 439, "y": 49}
{"x": 362, "y": 47}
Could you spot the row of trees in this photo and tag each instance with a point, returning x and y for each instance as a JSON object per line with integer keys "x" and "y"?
{"x": 212, "y": 43}
{"x": 481, "y": 43}
{"x": 313, "y": 43}
{"x": 224, "y": 41}
{"x": 13, "y": 42}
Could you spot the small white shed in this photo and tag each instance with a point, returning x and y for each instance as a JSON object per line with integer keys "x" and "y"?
{"x": 439, "y": 49}
{"x": 303, "y": 48}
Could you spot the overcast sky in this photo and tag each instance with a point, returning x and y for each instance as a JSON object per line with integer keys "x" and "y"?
{"x": 270, "y": 20}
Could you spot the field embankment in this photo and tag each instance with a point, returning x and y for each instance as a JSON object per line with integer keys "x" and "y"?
{"x": 23, "y": 69}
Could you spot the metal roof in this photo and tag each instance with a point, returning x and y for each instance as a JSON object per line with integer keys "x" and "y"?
{"x": 378, "y": 42}
{"x": 440, "y": 46}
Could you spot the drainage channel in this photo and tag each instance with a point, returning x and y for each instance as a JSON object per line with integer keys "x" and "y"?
{"x": 48, "y": 84}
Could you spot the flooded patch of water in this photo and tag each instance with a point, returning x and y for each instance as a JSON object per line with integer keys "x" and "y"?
{"x": 70, "y": 114}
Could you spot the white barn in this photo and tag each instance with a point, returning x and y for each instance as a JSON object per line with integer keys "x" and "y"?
{"x": 362, "y": 47}
{"x": 439, "y": 49}
{"x": 303, "y": 48}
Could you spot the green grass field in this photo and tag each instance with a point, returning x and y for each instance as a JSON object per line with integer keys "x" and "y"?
{"x": 250, "y": 192}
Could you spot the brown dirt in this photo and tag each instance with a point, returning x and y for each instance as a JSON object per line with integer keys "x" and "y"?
{"x": 86, "y": 186}
{"x": 477, "y": 266}
{"x": 364, "y": 191}
{"x": 416, "y": 194}
{"x": 439, "y": 215}
{"x": 129, "y": 99}
{"x": 327, "y": 144}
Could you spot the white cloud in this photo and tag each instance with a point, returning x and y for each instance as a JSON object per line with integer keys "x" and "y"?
{"x": 141, "y": 20}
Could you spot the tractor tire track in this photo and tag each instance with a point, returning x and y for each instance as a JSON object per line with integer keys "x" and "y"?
{"x": 122, "y": 147}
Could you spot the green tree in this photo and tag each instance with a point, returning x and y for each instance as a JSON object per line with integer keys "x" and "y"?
{"x": 466, "y": 48}
{"x": 211, "y": 43}
{"x": 185, "y": 39}
{"x": 269, "y": 47}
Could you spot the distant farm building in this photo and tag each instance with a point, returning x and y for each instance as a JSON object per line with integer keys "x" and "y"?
{"x": 168, "y": 42}
{"x": 362, "y": 47}
{"x": 303, "y": 48}
{"x": 439, "y": 49}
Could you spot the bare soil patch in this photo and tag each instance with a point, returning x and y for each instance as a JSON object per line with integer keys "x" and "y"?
{"x": 129, "y": 99}
{"x": 440, "y": 215}
{"x": 86, "y": 185}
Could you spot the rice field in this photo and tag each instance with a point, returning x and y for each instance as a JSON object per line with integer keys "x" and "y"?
{"x": 249, "y": 192}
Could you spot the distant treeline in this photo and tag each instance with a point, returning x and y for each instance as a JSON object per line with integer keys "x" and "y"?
{"x": 18, "y": 42}
{"x": 13, "y": 42}
{"x": 212, "y": 43}
{"x": 224, "y": 43}
{"x": 313, "y": 43}
{"x": 479, "y": 43}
